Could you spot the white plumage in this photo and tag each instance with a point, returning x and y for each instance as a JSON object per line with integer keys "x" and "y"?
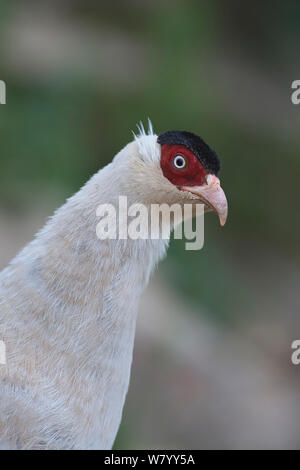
{"x": 68, "y": 305}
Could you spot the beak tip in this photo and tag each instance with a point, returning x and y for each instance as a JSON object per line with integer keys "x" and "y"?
{"x": 223, "y": 220}
{"x": 223, "y": 216}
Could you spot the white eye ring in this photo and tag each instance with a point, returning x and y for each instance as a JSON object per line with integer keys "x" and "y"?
{"x": 179, "y": 162}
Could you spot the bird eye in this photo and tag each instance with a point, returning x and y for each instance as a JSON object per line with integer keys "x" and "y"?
{"x": 179, "y": 162}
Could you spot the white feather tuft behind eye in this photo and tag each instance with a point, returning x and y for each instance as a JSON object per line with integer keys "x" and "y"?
{"x": 150, "y": 127}
{"x": 147, "y": 143}
{"x": 142, "y": 131}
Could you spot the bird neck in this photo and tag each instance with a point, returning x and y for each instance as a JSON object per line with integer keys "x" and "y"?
{"x": 76, "y": 309}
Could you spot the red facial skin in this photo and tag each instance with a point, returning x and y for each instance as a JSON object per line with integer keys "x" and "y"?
{"x": 193, "y": 174}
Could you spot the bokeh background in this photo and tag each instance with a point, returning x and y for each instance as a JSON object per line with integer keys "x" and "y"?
{"x": 212, "y": 362}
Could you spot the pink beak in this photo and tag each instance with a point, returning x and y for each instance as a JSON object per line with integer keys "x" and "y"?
{"x": 212, "y": 195}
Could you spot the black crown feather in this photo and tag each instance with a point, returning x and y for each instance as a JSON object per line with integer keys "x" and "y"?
{"x": 208, "y": 157}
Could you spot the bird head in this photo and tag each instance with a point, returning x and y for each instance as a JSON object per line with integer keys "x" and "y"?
{"x": 192, "y": 166}
{"x": 178, "y": 167}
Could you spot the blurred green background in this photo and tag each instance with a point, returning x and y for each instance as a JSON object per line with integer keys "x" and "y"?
{"x": 80, "y": 75}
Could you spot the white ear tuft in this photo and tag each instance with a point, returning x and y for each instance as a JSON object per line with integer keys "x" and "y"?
{"x": 147, "y": 143}
{"x": 141, "y": 129}
{"x": 150, "y": 127}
